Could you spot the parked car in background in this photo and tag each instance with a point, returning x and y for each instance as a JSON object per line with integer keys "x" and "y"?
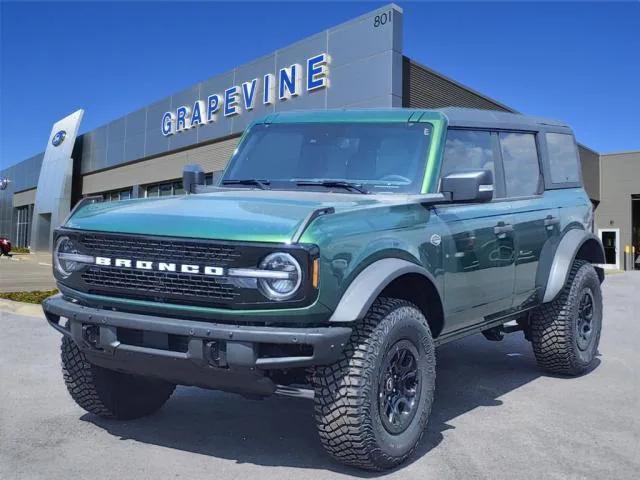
{"x": 5, "y": 246}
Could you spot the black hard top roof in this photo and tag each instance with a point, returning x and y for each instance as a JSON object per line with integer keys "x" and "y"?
{"x": 457, "y": 117}
{"x": 471, "y": 117}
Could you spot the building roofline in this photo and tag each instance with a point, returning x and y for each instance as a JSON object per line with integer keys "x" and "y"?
{"x": 624, "y": 152}
{"x": 590, "y": 149}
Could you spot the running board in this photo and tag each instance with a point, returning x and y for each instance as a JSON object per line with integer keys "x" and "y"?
{"x": 459, "y": 334}
{"x": 287, "y": 391}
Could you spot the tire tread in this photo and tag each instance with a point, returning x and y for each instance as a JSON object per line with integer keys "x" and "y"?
{"x": 107, "y": 393}
{"x": 342, "y": 410}
{"x": 552, "y": 330}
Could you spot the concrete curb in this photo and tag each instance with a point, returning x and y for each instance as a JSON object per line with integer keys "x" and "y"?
{"x": 21, "y": 308}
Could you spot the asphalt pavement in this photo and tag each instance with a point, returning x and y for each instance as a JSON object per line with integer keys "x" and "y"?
{"x": 496, "y": 416}
{"x": 22, "y": 273}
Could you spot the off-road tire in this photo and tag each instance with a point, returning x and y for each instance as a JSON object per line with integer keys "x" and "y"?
{"x": 347, "y": 411}
{"x": 554, "y": 325}
{"x": 107, "y": 393}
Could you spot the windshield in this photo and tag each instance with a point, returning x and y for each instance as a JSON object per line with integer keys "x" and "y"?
{"x": 380, "y": 157}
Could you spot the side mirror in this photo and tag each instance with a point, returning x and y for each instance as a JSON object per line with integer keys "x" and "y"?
{"x": 468, "y": 186}
{"x": 192, "y": 176}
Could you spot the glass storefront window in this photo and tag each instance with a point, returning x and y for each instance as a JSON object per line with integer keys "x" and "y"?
{"x": 117, "y": 195}
{"x": 23, "y": 225}
{"x": 166, "y": 189}
{"x": 177, "y": 188}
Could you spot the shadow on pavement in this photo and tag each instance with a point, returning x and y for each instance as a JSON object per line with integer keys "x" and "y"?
{"x": 281, "y": 432}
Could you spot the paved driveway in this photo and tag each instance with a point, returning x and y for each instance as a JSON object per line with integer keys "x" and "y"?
{"x": 26, "y": 272}
{"x": 495, "y": 417}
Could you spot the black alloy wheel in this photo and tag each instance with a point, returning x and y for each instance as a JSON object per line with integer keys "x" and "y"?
{"x": 399, "y": 387}
{"x": 585, "y": 319}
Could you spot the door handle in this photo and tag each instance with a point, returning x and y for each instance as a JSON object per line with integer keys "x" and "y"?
{"x": 501, "y": 229}
{"x": 551, "y": 221}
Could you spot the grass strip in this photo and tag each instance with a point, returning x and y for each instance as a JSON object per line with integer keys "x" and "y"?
{"x": 36, "y": 296}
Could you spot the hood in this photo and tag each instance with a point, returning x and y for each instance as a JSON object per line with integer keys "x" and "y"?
{"x": 249, "y": 215}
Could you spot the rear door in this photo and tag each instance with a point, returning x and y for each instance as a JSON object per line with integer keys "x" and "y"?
{"x": 479, "y": 248}
{"x": 534, "y": 217}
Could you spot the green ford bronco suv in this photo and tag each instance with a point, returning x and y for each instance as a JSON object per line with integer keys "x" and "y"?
{"x": 339, "y": 249}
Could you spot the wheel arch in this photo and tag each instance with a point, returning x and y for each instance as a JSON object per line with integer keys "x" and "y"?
{"x": 397, "y": 278}
{"x": 576, "y": 244}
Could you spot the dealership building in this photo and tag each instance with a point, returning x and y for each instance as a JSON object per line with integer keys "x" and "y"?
{"x": 357, "y": 64}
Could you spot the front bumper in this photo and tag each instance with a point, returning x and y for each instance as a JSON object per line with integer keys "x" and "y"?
{"x": 211, "y": 355}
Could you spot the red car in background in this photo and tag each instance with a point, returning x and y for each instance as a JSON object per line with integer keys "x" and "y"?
{"x": 5, "y": 246}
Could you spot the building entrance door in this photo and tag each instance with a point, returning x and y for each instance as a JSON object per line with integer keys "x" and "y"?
{"x": 611, "y": 241}
{"x": 635, "y": 229}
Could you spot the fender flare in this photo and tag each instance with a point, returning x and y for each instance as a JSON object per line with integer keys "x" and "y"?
{"x": 367, "y": 286}
{"x": 564, "y": 256}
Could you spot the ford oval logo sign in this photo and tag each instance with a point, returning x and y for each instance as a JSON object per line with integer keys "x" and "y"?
{"x": 58, "y": 138}
{"x": 4, "y": 183}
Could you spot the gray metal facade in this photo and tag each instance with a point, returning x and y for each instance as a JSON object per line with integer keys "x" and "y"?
{"x": 425, "y": 88}
{"x": 619, "y": 181}
{"x": 22, "y": 176}
{"x": 590, "y": 172}
{"x": 52, "y": 202}
{"x": 361, "y": 73}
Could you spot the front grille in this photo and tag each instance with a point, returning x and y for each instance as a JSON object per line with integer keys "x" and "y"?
{"x": 177, "y": 287}
{"x": 159, "y": 284}
{"x": 163, "y": 250}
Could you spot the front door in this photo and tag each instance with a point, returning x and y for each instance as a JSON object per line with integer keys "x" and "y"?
{"x": 479, "y": 250}
{"x": 479, "y": 259}
{"x": 611, "y": 241}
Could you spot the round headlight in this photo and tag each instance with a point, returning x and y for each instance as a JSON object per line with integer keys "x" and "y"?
{"x": 280, "y": 287}
{"x": 63, "y": 253}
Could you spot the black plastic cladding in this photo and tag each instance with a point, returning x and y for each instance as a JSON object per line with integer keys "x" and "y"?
{"x": 180, "y": 288}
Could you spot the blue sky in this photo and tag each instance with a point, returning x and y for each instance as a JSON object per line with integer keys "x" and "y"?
{"x": 578, "y": 62}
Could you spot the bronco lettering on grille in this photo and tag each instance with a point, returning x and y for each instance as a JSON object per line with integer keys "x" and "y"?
{"x": 160, "y": 266}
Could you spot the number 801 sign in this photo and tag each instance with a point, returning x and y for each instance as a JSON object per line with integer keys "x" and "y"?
{"x": 382, "y": 19}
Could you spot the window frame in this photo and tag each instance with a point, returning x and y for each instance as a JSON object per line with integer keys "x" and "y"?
{"x": 499, "y": 185}
{"x": 499, "y": 182}
{"x": 537, "y": 137}
{"x": 421, "y": 174}
{"x": 546, "y": 163}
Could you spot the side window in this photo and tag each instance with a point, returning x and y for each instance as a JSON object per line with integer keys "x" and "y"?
{"x": 564, "y": 164}
{"x": 468, "y": 149}
{"x": 521, "y": 166}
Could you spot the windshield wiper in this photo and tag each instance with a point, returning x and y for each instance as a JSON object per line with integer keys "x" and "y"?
{"x": 261, "y": 184}
{"x": 354, "y": 187}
